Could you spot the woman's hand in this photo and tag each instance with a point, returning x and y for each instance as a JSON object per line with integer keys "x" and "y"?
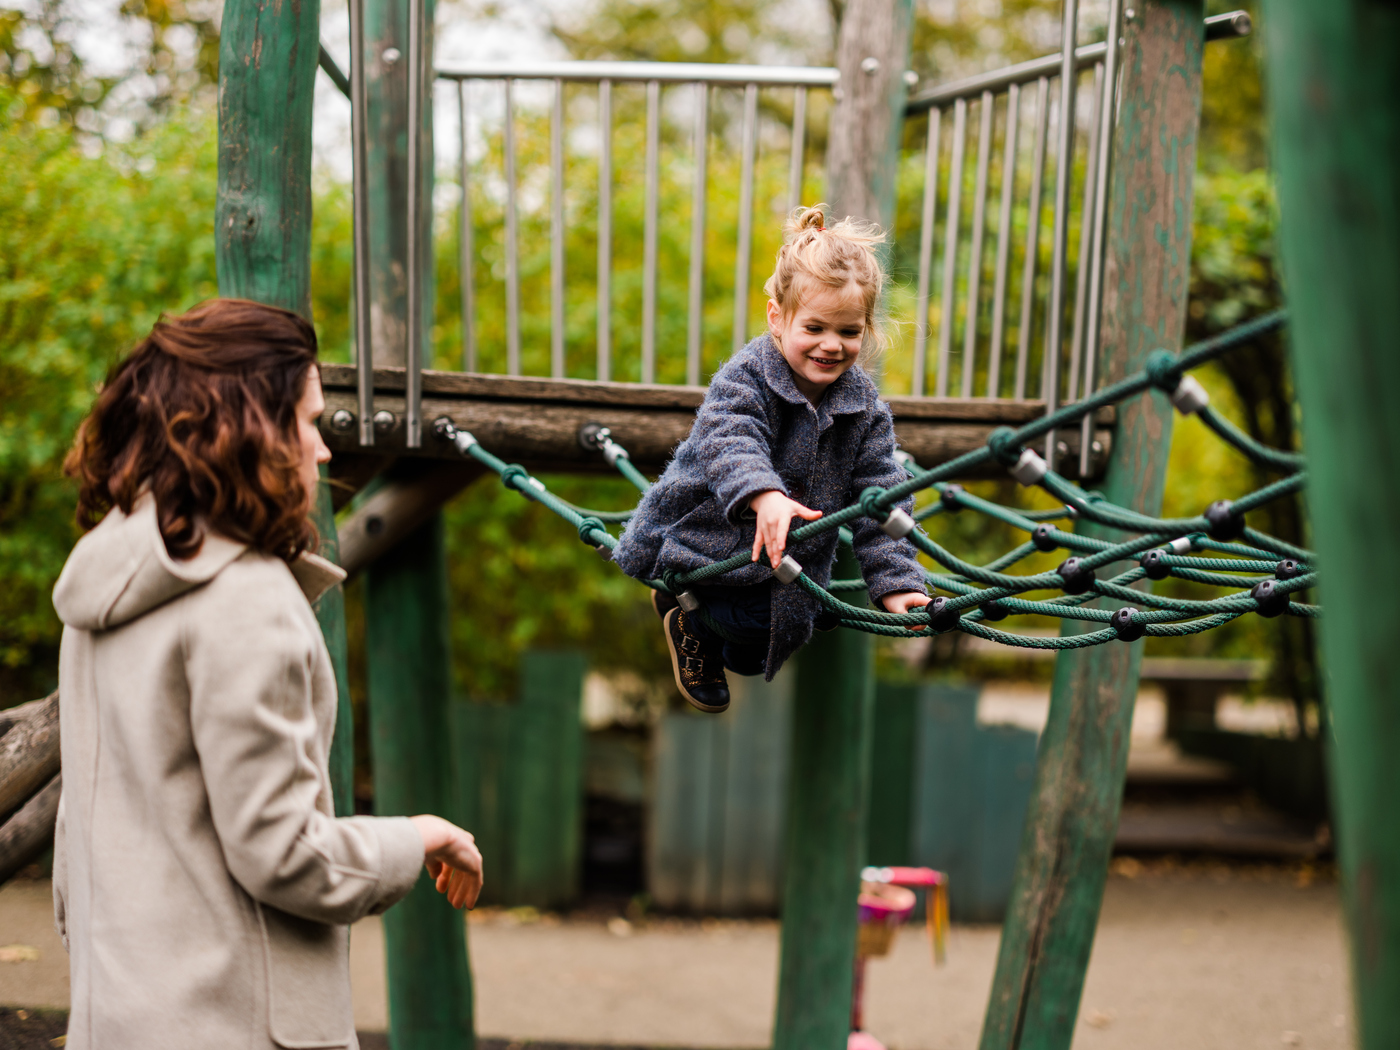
{"x": 903, "y": 601}
{"x": 775, "y": 513}
{"x": 453, "y": 860}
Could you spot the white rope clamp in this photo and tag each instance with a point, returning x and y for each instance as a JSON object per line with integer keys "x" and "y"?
{"x": 899, "y": 524}
{"x": 1189, "y": 397}
{"x": 788, "y": 569}
{"x": 1030, "y": 468}
{"x": 1180, "y": 545}
{"x": 687, "y": 601}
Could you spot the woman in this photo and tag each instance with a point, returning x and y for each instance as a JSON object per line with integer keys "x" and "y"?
{"x": 202, "y": 884}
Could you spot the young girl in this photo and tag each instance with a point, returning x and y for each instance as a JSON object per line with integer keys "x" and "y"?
{"x": 792, "y": 427}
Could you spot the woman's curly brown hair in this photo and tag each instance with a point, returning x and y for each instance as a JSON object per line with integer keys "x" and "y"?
{"x": 204, "y": 411}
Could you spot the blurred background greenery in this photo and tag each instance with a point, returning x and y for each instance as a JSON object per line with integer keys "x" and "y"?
{"x": 106, "y": 220}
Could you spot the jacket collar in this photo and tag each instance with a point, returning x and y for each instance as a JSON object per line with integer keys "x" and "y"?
{"x": 846, "y": 396}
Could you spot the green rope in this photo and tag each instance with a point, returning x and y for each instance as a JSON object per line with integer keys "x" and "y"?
{"x": 1249, "y": 556}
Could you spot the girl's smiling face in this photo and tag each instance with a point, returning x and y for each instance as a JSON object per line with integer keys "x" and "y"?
{"x": 821, "y": 339}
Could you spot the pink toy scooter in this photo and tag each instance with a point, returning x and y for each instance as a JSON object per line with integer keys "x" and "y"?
{"x": 885, "y": 902}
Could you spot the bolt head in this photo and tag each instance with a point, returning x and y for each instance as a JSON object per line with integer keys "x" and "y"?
{"x": 385, "y": 421}
{"x": 870, "y": 65}
{"x": 390, "y": 55}
{"x": 342, "y": 420}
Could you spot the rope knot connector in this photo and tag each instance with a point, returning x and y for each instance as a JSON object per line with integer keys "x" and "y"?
{"x": 1271, "y": 601}
{"x": 1163, "y": 370}
{"x": 1004, "y": 446}
{"x": 941, "y": 618}
{"x": 1154, "y": 563}
{"x": 1224, "y": 523}
{"x": 949, "y": 497}
{"x": 994, "y": 610}
{"x": 1044, "y": 537}
{"x": 1287, "y": 569}
{"x": 1124, "y": 627}
{"x": 1075, "y": 578}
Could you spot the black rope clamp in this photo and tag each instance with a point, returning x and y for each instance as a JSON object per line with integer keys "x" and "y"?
{"x": 1224, "y": 523}
{"x": 1074, "y": 577}
{"x": 949, "y": 497}
{"x": 1044, "y": 537}
{"x": 993, "y": 610}
{"x": 1271, "y": 601}
{"x": 1287, "y": 569}
{"x": 941, "y": 618}
{"x": 1124, "y": 627}
{"x": 1154, "y": 563}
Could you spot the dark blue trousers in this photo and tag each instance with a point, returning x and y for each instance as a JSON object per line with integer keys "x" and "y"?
{"x": 744, "y": 615}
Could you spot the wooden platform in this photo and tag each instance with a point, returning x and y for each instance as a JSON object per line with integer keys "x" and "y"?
{"x": 536, "y": 421}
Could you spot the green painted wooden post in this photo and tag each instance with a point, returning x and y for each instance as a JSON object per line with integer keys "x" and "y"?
{"x": 833, "y": 716}
{"x": 1335, "y": 99}
{"x": 262, "y": 227}
{"x": 430, "y": 989}
{"x": 1073, "y": 814}
{"x": 406, "y": 606}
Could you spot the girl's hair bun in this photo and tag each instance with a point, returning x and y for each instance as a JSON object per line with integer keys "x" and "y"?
{"x": 808, "y": 219}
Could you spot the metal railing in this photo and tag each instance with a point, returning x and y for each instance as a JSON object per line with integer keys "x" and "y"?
{"x": 1002, "y": 315}
{"x": 701, "y": 81}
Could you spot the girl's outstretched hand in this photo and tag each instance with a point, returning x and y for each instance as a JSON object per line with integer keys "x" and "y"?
{"x": 775, "y": 513}
{"x": 452, "y": 858}
{"x": 903, "y": 601}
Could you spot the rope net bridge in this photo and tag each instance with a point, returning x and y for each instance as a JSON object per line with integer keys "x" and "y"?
{"x": 1217, "y": 548}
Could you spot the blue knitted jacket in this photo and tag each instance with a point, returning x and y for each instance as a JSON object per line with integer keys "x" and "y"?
{"x": 756, "y": 431}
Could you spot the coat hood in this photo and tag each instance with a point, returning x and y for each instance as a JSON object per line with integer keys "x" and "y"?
{"x": 121, "y": 570}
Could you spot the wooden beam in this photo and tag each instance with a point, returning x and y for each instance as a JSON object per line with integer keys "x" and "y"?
{"x": 398, "y": 508}
{"x": 536, "y": 421}
{"x": 29, "y": 753}
{"x": 1082, "y": 758}
{"x": 30, "y": 831}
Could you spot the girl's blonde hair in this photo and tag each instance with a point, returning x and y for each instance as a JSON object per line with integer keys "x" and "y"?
{"x": 815, "y": 256}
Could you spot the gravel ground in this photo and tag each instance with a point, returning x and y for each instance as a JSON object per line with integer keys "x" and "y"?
{"x": 1201, "y": 955}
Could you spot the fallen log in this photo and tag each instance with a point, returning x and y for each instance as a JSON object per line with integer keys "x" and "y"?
{"x": 25, "y": 836}
{"x": 29, "y": 753}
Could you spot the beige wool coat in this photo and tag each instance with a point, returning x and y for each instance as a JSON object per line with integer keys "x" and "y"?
{"x": 202, "y": 884}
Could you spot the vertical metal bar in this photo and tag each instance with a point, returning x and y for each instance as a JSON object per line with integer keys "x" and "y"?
{"x": 745, "y": 245}
{"x": 1023, "y": 342}
{"x": 1064, "y": 169}
{"x": 935, "y": 121}
{"x": 1008, "y": 189}
{"x": 359, "y": 144}
{"x": 605, "y": 230}
{"x": 947, "y": 308}
{"x": 649, "y": 232}
{"x": 1086, "y": 235}
{"x": 466, "y": 271}
{"x": 512, "y": 241}
{"x": 413, "y": 423}
{"x": 1107, "y": 116}
{"x": 799, "y": 147}
{"x": 556, "y": 233}
{"x": 979, "y": 226}
{"x": 695, "y": 334}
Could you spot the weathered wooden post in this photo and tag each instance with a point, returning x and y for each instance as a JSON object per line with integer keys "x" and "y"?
{"x": 834, "y": 703}
{"x": 1073, "y": 814}
{"x": 406, "y": 599}
{"x": 262, "y": 230}
{"x": 1336, "y": 128}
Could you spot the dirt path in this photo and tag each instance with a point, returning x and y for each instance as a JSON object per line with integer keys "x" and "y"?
{"x": 1204, "y": 957}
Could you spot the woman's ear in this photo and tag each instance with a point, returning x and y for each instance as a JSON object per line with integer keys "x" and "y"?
{"x": 775, "y": 321}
